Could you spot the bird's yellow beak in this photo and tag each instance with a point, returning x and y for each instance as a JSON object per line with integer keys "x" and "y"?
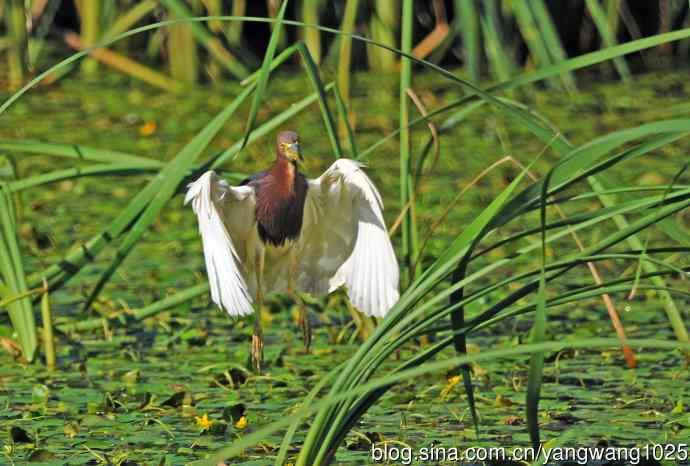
{"x": 294, "y": 152}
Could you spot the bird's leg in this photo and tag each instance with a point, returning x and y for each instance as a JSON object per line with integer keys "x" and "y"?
{"x": 292, "y": 291}
{"x": 258, "y": 336}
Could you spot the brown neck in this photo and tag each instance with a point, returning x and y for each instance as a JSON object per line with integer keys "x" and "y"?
{"x": 284, "y": 172}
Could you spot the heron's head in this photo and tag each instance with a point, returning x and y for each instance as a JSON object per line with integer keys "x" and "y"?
{"x": 288, "y": 146}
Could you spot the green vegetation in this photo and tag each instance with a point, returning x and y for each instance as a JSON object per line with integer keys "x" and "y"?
{"x": 519, "y": 210}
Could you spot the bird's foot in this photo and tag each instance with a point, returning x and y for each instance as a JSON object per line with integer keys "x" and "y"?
{"x": 257, "y": 352}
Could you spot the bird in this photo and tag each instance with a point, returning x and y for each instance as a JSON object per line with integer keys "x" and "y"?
{"x": 278, "y": 231}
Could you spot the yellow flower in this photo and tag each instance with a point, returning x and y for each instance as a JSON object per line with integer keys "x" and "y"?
{"x": 452, "y": 382}
{"x": 148, "y": 128}
{"x": 241, "y": 422}
{"x": 204, "y": 422}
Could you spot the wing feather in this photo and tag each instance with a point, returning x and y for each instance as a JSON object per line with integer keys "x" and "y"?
{"x": 345, "y": 241}
{"x": 225, "y": 216}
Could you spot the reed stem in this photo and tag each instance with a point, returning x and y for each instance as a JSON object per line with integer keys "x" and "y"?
{"x": 312, "y": 36}
{"x": 345, "y": 59}
{"x": 406, "y": 184}
{"x": 48, "y": 339}
{"x": 182, "y": 53}
{"x": 233, "y": 30}
{"x": 90, "y": 14}
{"x": 13, "y": 278}
{"x": 17, "y": 55}
{"x": 383, "y": 26}
{"x": 127, "y": 66}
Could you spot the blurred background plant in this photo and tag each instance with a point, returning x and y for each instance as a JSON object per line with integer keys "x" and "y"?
{"x": 488, "y": 39}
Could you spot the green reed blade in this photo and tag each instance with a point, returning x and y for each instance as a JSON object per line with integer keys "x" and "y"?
{"x": 14, "y": 279}
{"x": 262, "y": 80}
{"x": 532, "y": 35}
{"x": 312, "y": 36}
{"x": 383, "y": 25}
{"x": 131, "y": 17}
{"x": 674, "y": 229}
{"x": 552, "y": 40}
{"x": 343, "y": 114}
{"x": 409, "y": 251}
{"x": 469, "y": 31}
{"x": 347, "y": 25}
{"x": 17, "y": 59}
{"x": 233, "y": 31}
{"x": 207, "y": 40}
{"x": 90, "y": 16}
{"x": 607, "y": 36}
{"x": 169, "y": 302}
{"x": 538, "y": 332}
{"x": 328, "y": 120}
{"x": 75, "y": 151}
{"x": 182, "y": 54}
{"x": 48, "y": 338}
{"x": 499, "y": 60}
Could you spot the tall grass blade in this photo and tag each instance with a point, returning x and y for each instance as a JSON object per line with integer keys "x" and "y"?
{"x": 17, "y": 50}
{"x": 48, "y": 339}
{"x": 233, "y": 30}
{"x": 312, "y": 36}
{"x": 14, "y": 280}
{"x": 126, "y": 65}
{"x": 500, "y": 62}
{"x": 552, "y": 39}
{"x": 126, "y": 20}
{"x": 207, "y": 40}
{"x": 328, "y": 120}
{"x": 673, "y": 229}
{"x": 538, "y": 333}
{"x": 169, "y": 302}
{"x": 469, "y": 30}
{"x": 182, "y": 53}
{"x": 532, "y": 35}
{"x": 347, "y": 25}
{"x": 409, "y": 251}
{"x": 383, "y": 25}
{"x": 101, "y": 170}
{"x": 214, "y": 8}
{"x": 90, "y": 15}
{"x": 343, "y": 113}
{"x": 262, "y": 80}
{"x": 536, "y": 368}
{"x": 607, "y": 35}
{"x": 75, "y": 151}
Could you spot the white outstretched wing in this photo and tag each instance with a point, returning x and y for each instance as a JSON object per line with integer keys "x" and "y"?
{"x": 344, "y": 240}
{"x": 226, "y": 217}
